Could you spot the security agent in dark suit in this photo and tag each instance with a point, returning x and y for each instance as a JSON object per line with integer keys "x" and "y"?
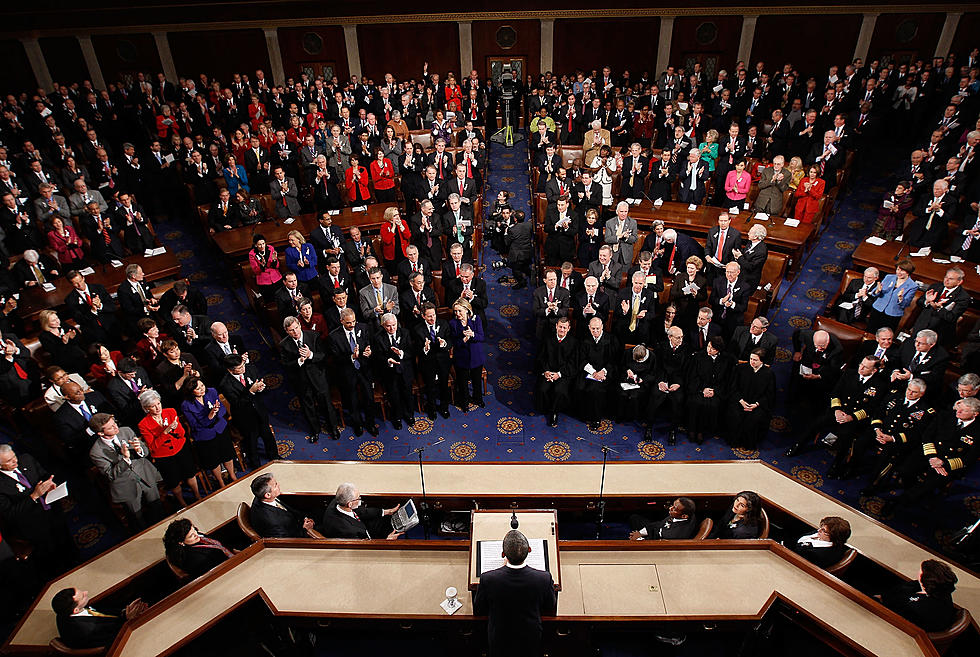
{"x": 80, "y": 626}
{"x": 270, "y": 517}
{"x": 345, "y": 517}
{"x": 514, "y": 597}
{"x": 350, "y": 346}
{"x": 681, "y": 523}
{"x": 942, "y": 305}
{"x": 303, "y": 356}
{"x": 753, "y": 336}
{"x": 243, "y": 388}
{"x": 922, "y": 358}
{"x": 432, "y": 345}
{"x": 519, "y": 242}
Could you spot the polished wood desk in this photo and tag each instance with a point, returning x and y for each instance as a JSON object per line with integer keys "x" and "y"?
{"x": 621, "y": 581}
{"x": 235, "y": 244}
{"x": 883, "y": 257}
{"x": 34, "y": 299}
{"x": 531, "y": 483}
{"x": 779, "y": 236}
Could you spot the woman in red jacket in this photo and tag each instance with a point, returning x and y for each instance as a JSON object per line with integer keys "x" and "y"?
{"x": 165, "y": 436}
{"x": 65, "y": 241}
{"x": 808, "y": 194}
{"x": 395, "y": 238}
{"x": 356, "y": 183}
{"x": 383, "y": 177}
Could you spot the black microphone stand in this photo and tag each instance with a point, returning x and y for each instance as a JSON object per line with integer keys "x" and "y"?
{"x": 424, "y": 507}
{"x": 601, "y": 506}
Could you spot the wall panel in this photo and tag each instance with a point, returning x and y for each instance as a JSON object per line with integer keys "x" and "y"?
{"x": 966, "y": 37}
{"x": 628, "y": 43}
{"x": 18, "y": 75}
{"x": 333, "y": 48}
{"x": 914, "y": 35}
{"x": 402, "y": 49}
{"x": 64, "y": 58}
{"x": 122, "y": 54}
{"x": 527, "y": 44}
{"x": 219, "y": 53}
{"x": 778, "y": 38}
{"x": 691, "y": 37}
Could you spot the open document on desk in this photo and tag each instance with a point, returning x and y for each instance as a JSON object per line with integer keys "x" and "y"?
{"x": 488, "y": 555}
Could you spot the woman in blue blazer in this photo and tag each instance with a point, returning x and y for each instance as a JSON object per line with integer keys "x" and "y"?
{"x": 235, "y": 176}
{"x": 468, "y": 358}
{"x": 205, "y": 417}
{"x": 300, "y": 256}
{"x": 895, "y": 293}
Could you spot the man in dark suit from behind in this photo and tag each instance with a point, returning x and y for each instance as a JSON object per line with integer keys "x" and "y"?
{"x": 346, "y": 517}
{"x": 514, "y": 597}
{"x": 80, "y": 626}
{"x": 270, "y": 517}
{"x": 680, "y": 523}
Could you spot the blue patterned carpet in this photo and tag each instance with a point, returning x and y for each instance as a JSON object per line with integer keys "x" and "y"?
{"x": 509, "y": 429}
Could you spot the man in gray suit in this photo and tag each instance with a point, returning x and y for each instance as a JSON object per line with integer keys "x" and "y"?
{"x": 377, "y": 297}
{"x": 284, "y": 194}
{"x": 49, "y": 204}
{"x": 607, "y": 270}
{"x": 621, "y": 234}
{"x": 123, "y": 458}
{"x": 773, "y": 182}
{"x": 78, "y": 201}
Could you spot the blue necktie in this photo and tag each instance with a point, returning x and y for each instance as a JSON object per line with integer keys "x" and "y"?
{"x": 85, "y": 413}
{"x": 353, "y": 348}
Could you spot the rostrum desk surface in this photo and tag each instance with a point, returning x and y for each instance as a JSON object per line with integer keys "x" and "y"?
{"x": 525, "y": 480}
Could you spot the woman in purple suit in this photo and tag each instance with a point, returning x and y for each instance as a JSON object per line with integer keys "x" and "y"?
{"x": 467, "y": 335}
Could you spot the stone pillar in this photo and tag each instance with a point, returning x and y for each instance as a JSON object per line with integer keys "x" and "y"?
{"x": 547, "y": 44}
{"x": 275, "y": 55}
{"x": 946, "y": 37}
{"x": 353, "y": 53}
{"x": 864, "y": 37}
{"x": 166, "y": 57}
{"x": 91, "y": 61}
{"x": 663, "y": 52}
{"x": 465, "y": 48}
{"x": 746, "y": 40}
{"x": 38, "y": 64}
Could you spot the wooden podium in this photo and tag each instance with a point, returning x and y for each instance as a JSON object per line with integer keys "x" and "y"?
{"x": 492, "y": 524}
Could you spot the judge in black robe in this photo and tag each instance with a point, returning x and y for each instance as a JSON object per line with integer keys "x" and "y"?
{"x": 709, "y": 374}
{"x": 598, "y": 355}
{"x": 557, "y": 362}
{"x": 750, "y": 403}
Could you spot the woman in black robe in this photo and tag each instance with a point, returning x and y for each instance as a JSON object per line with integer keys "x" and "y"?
{"x": 750, "y": 403}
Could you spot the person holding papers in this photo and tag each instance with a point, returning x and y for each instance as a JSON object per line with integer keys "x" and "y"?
{"x": 345, "y": 517}
{"x": 891, "y": 214}
{"x": 514, "y": 597}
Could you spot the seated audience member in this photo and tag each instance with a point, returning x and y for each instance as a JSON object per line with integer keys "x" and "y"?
{"x": 346, "y": 517}
{"x": 190, "y": 551}
{"x": 81, "y": 626}
{"x": 926, "y": 601}
{"x": 34, "y": 269}
{"x": 743, "y": 520}
{"x": 827, "y": 545}
{"x": 855, "y": 303}
{"x": 679, "y": 524}
{"x": 270, "y": 516}
{"x": 124, "y": 460}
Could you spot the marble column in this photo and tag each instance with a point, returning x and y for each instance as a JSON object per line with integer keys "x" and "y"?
{"x": 864, "y": 36}
{"x": 353, "y": 53}
{"x": 38, "y": 64}
{"x": 91, "y": 61}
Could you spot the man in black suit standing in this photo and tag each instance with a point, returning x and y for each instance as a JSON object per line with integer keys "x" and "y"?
{"x": 270, "y": 517}
{"x": 93, "y": 309}
{"x": 242, "y": 387}
{"x": 729, "y": 299}
{"x": 350, "y": 345}
{"x": 860, "y": 293}
{"x": 561, "y": 225}
{"x": 752, "y": 257}
{"x": 71, "y": 419}
{"x": 393, "y": 357}
{"x": 721, "y": 242}
{"x": 328, "y": 240}
{"x": 303, "y": 357}
{"x": 80, "y": 626}
{"x": 920, "y": 357}
{"x": 124, "y": 389}
{"x": 413, "y": 299}
{"x": 287, "y": 296}
{"x": 465, "y": 286}
{"x": 550, "y": 303}
{"x": 432, "y": 345}
{"x": 135, "y": 297}
{"x": 346, "y": 517}
{"x": 222, "y": 344}
{"x": 514, "y": 597}
{"x": 942, "y": 305}
{"x": 753, "y": 336}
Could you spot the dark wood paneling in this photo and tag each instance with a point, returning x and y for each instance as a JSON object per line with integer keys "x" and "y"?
{"x": 64, "y": 58}
{"x": 965, "y": 38}
{"x": 402, "y": 49}
{"x": 922, "y": 45}
{"x": 219, "y": 53}
{"x": 778, "y": 38}
{"x": 631, "y": 43}
{"x": 527, "y": 45}
{"x": 685, "y": 39}
{"x": 334, "y": 49}
{"x": 126, "y": 54}
{"x": 18, "y": 75}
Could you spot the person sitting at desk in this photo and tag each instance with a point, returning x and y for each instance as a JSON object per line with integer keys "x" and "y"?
{"x": 190, "y": 551}
{"x": 342, "y": 519}
{"x": 743, "y": 520}
{"x": 680, "y": 523}
{"x": 270, "y": 517}
{"x": 827, "y": 545}
{"x": 80, "y": 626}
{"x": 926, "y": 601}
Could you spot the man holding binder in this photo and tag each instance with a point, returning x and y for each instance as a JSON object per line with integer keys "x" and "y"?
{"x": 514, "y": 597}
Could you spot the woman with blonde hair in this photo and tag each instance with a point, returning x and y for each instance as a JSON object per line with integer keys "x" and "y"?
{"x": 468, "y": 358}
{"x": 796, "y": 170}
{"x": 63, "y": 344}
{"x": 300, "y": 256}
{"x": 709, "y": 149}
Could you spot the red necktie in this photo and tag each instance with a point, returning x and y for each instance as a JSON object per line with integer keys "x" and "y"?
{"x": 241, "y": 377}
{"x": 551, "y": 296}
{"x": 457, "y": 271}
{"x": 942, "y": 297}
{"x": 21, "y": 373}
{"x": 721, "y": 245}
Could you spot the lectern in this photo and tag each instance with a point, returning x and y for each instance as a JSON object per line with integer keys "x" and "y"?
{"x": 535, "y": 524}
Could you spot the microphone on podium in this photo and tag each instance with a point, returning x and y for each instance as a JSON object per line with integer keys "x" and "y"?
{"x": 513, "y": 520}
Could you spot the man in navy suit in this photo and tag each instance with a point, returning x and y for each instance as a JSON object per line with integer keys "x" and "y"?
{"x": 270, "y": 517}
{"x": 514, "y": 597}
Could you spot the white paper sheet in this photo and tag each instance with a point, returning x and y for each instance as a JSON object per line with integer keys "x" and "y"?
{"x": 57, "y": 493}
{"x": 491, "y": 559}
